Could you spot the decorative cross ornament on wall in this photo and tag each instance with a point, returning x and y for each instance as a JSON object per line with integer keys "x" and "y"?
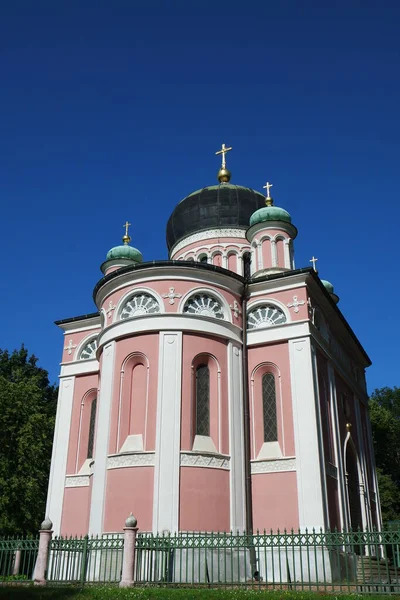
{"x": 110, "y": 309}
{"x": 171, "y": 295}
{"x": 70, "y": 347}
{"x": 295, "y": 304}
{"x": 235, "y": 309}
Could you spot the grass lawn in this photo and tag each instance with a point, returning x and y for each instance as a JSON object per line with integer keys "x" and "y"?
{"x": 112, "y": 592}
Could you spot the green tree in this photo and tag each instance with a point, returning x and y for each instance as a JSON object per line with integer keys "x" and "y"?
{"x": 384, "y": 409}
{"x": 27, "y": 413}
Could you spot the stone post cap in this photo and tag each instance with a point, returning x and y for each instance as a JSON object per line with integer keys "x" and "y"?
{"x": 131, "y": 521}
{"x": 46, "y": 525}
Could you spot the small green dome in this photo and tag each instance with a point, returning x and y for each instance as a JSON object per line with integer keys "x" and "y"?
{"x": 327, "y": 285}
{"x": 125, "y": 251}
{"x": 270, "y": 213}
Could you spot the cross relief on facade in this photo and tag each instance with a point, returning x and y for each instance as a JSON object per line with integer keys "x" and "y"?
{"x": 235, "y": 309}
{"x": 171, "y": 295}
{"x": 295, "y": 304}
{"x": 110, "y": 309}
{"x": 70, "y": 347}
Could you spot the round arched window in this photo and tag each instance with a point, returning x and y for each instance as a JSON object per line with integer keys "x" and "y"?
{"x": 89, "y": 350}
{"x": 139, "y": 305}
{"x": 265, "y": 315}
{"x": 204, "y": 305}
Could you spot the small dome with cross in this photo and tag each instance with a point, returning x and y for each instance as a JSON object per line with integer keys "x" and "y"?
{"x": 124, "y": 252}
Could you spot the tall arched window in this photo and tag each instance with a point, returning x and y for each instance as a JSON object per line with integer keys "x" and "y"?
{"x": 202, "y": 400}
{"x": 269, "y": 408}
{"x": 92, "y": 424}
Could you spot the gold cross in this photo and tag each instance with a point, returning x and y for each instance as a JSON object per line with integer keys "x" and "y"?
{"x": 313, "y": 261}
{"x": 267, "y": 187}
{"x": 223, "y": 151}
{"x": 126, "y": 239}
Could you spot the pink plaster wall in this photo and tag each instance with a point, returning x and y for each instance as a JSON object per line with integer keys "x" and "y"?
{"x": 75, "y": 513}
{"x": 195, "y": 349}
{"x": 135, "y": 416}
{"x": 280, "y": 253}
{"x": 286, "y": 297}
{"x": 76, "y": 340}
{"x": 275, "y": 501}
{"x": 217, "y": 259}
{"x": 84, "y": 391}
{"x": 266, "y": 254}
{"x": 277, "y": 355}
{"x": 204, "y": 499}
{"x": 129, "y": 490}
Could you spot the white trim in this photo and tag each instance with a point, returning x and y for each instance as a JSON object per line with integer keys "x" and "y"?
{"x": 205, "y": 460}
{"x": 209, "y": 234}
{"x": 130, "y": 459}
{"x": 280, "y": 465}
{"x": 310, "y": 498}
{"x": 170, "y": 322}
{"x": 210, "y": 292}
{"x": 72, "y": 481}
{"x": 82, "y": 325}
{"x": 168, "y": 430}
{"x": 102, "y": 439}
{"x": 276, "y": 333}
{"x": 236, "y": 439}
{"x": 337, "y": 446}
{"x": 273, "y": 290}
{"x": 79, "y": 367}
{"x": 60, "y": 451}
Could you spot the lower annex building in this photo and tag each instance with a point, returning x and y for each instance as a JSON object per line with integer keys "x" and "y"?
{"x": 219, "y": 390}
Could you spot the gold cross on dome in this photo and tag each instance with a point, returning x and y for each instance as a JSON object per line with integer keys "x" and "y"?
{"x": 267, "y": 187}
{"x": 223, "y": 151}
{"x": 126, "y": 225}
{"x": 313, "y": 261}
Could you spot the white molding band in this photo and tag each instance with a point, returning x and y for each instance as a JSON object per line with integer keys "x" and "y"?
{"x": 168, "y": 428}
{"x": 102, "y": 435}
{"x": 275, "y": 333}
{"x": 279, "y": 465}
{"x": 209, "y": 461}
{"x": 72, "y": 481}
{"x": 236, "y": 439}
{"x": 309, "y": 485}
{"x": 79, "y": 367}
{"x": 58, "y": 469}
{"x": 131, "y": 459}
{"x": 209, "y": 234}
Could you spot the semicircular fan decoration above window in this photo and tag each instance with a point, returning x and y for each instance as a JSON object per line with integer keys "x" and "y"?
{"x": 265, "y": 315}
{"x": 204, "y": 305}
{"x": 89, "y": 350}
{"x": 139, "y": 305}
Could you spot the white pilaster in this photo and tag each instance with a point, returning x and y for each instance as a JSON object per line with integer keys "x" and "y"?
{"x": 274, "y": 254}
{"x": 166, "y": 473}
{"x": 364, "y": 484}
{"x": 287, "y": 253}
{"x": 236, "y": 439}
{"x": 260, "y": 262}
{"x": 337, "y": 447}
{"x": 59, "y": 454}
{"x": 102, "y": 440}
{"x": 310, "y": 494}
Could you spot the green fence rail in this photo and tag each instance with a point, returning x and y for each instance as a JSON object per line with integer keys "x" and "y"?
{"x": 354, "y": 561}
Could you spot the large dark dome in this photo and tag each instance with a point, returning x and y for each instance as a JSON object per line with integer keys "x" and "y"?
{"x": 223, "y": 205}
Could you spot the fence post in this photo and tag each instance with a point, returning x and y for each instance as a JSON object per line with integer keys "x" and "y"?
{"x": 45, "y": 532}
{"x": 128, "y": 561}
{"x": 17, "y": 562}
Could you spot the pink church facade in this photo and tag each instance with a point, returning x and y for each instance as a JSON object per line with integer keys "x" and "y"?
{"x": 219, "y": 390}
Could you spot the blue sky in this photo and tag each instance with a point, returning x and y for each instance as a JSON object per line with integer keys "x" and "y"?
{"x": 113, "y": 111}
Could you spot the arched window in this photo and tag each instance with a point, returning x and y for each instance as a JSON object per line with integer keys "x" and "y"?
{"x": 88, "y": 352}
{"x": 138, "y": 305}
{"x": 265, "y": 315}
{"x": 92, "y": 424}
{"x": 203, "y": 258}
{"x": 204, "y": 305}
{"x": 269, "y": 408}
{"x": 202, "y": 400}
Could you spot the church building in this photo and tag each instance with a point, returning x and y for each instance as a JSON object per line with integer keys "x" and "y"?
{"x": 219, "y": 390}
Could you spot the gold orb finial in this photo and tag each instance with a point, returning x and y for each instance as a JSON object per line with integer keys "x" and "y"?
{"x": 224, "y": 175}
{"x": 126, "y": 238}
{"x": 349, "y": 426}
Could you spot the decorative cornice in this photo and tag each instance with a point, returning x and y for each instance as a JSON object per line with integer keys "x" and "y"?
{"x": 209, "y": 235}
{"x": 331, "y": 470}
{"x": 76, "y": 481}
{"x": 131, "y": 459}
{"x": 273, "y": 466}
{"x": 210, "y": 461}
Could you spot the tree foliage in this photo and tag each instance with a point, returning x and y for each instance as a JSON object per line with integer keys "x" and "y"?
{"x": 27, "y": 413}
{"x": 384, "y": 408}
